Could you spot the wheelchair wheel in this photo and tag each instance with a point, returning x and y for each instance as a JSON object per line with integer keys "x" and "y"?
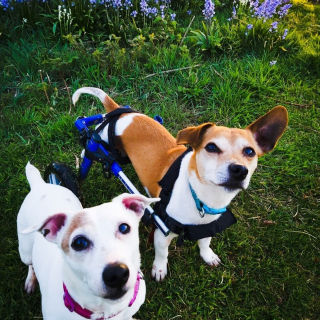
{"x": 60, "y": 174}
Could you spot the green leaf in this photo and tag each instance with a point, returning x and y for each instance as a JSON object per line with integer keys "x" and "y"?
{"x": 54, "y": 28}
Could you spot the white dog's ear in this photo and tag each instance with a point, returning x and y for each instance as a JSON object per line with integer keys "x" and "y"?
{"x": 50, "y": 227}
{"x": 268, "y": 129}
{"x": 135, "y": 202}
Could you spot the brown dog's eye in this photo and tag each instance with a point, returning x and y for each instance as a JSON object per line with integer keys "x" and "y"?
{"x": 212, "y": 148}
{"x": 249, "y": 152}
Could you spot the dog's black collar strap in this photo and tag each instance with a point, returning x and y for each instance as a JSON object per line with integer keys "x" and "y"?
{"x": 187, "y": 231}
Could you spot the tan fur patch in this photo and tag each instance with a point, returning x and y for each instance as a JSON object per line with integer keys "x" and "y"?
{"x": 109, "y": 104}
{"x": 78, "y": 221}
{"x": 151, "y": 149}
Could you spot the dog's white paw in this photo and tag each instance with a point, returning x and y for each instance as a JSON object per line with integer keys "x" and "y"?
{"x": 159, "y": 271}
{"x": 31, "y": 281}
{"x": 210, "y": 257}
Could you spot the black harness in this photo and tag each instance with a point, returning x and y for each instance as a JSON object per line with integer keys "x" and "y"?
{"x": 110, "y": 118}
{"x": 187, "y": 231}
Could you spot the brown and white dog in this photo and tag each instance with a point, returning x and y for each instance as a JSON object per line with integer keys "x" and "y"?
{"x": 221, "y": 164}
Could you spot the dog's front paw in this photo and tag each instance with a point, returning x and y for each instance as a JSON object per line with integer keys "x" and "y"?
{"x": 31, "y": 281}
{"x": 210, "y": 257}
{"x": 159, "y": 271}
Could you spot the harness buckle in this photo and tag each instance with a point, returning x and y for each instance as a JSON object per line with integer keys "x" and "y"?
{"x": 202, "y": 213}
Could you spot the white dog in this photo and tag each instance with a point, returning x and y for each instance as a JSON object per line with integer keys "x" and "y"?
{"x": 87, "y": 261}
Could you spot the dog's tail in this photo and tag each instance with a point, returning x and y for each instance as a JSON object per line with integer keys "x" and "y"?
{"x": 33, "y": 176}
{"x": 108, "y": 103}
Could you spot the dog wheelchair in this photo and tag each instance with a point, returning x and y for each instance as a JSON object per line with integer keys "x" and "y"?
{"x": 95, "y": 149}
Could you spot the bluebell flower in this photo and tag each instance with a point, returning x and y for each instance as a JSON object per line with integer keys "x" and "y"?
{"x": 127, "y": 4}
{"x": 272, "y": 63}
{"x": 208, "y": 11}
{"x": 274, "y": 26}
{"x": 285, "y": 34}
{"x": 234, "y": 13}
{"x": 134, "y": 13}
{"x": 172, "y": 16}
{"x": 116, "y": 3}
{"x": 284, "y": 10}
{"x": 144, "y": 6}
{"x": 162, "y": 7}
{"x": 269, "y": 8}
{"x": 189, "y": 12}
{"x": 4, "y": 4}
{"x": 249, "y": 26}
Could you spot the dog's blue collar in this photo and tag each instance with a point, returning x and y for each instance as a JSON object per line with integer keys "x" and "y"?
{"x": 203, "y": 209}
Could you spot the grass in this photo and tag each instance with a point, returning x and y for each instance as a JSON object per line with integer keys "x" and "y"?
{"x": 269, "y": 270}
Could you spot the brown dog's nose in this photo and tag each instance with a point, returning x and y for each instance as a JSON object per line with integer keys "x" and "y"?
{"x": 116, "y": 275}
{"x": 238, "y": 172}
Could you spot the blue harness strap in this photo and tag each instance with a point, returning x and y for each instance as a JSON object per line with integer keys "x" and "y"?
{"x": 204, "y": 209}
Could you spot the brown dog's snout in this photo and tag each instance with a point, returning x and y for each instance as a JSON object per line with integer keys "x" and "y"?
{"x": 116, "y": 275}
{"x": 238, "y": 171}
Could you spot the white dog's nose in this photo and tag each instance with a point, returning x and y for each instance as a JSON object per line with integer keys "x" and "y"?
{"x": 115, "y": 275}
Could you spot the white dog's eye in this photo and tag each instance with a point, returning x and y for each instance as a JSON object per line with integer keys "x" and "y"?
{"x": 212, "y": 148}
{"x": 81, "y": 243}
{"x": 249, "y": 152}
{"x": 124, "y": 228}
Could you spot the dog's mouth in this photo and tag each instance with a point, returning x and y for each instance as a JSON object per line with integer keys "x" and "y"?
{"x": 115, "y": 294}
{"x": 232, "y": 186}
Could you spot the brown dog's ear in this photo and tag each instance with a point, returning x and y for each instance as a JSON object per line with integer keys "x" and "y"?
{"x": 268, "y": 129}
{"x": 193, "y": 135}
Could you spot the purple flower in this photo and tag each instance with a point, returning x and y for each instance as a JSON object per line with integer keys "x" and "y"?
{"x": 285, "y": 34}
{"x": 249, "y": 26}
{"x": 208, "y": 11}
{"x": 272, "y": 63}
{"x": 144, "y": 6}
{"x": 172, "y": 16}
{"x": 116, "y": 3}
{"x": 127, "y": 4}
{"x": 284, "y": 10}
{"x": 162, "y": 7}
{"x": 234, "y": 13}
{"x": 274, "y": 26}
{"x": 269, "y": 8}
{"x": 189, "y": 12}
{"x": 133, "y": 13}
{"x": 152, "y": 12}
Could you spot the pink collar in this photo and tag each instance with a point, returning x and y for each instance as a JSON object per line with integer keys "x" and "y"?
{"x": 73, "y": 306}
